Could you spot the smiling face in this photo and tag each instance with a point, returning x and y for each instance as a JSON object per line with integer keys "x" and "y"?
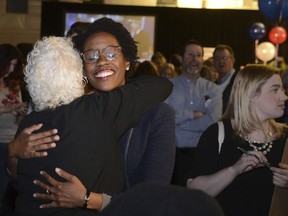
{"x": 105, "y": 75}
{"x": 192, "y": 60}
{"x": 270, "y": 101}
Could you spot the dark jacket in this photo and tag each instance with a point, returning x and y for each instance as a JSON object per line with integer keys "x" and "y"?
{"x": 149, "y": 148}
{"x": 227, "y": 91}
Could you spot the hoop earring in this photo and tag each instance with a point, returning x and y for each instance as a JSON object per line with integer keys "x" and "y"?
{"x": 85, "y": 80}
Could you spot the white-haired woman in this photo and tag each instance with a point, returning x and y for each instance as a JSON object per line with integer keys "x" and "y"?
{"x": 243, "y": 183}
{"x": 89, "y": 125}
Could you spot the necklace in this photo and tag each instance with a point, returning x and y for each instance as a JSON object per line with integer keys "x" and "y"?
{"x": 264, "y": 148}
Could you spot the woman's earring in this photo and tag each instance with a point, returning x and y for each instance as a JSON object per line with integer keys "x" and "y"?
{"x": 127, "y": 68}
{"x": 85, "y": 80}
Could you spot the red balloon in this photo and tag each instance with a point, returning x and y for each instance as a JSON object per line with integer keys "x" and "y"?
{"x": 277, "y": 35}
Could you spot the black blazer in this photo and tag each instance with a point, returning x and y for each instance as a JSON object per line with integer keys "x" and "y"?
{"x": 227, "y": 92}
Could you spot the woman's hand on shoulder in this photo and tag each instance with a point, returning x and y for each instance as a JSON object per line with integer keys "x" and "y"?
{"x": 280, "y": 175}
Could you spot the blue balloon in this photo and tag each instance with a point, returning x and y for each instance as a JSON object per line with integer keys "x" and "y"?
{"x": 271, "y": 9}
{"x": 285, "y": 10}
{"x": 257, "y": 31}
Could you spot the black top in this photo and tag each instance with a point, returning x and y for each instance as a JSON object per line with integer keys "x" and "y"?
{"x": 89, "y": 128}
{"x": 251, "y": 192}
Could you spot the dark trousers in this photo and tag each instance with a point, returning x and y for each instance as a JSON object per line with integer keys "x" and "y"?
{"x": 183, "y": 163}
{"x": 150, "y": 199}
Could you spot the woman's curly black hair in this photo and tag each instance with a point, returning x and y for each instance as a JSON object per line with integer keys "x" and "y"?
{"x": 124, "y": 38}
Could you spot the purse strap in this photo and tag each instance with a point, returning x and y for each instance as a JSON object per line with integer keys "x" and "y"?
{"x": 221, "y": 135}
{"x": 279, "y": 206}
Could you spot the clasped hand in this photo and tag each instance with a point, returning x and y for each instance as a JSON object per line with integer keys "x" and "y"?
{"x": 256, "y": 159}
{"x": 249, "y": 161}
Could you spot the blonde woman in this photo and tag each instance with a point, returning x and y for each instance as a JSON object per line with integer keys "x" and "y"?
{"x": 243, "y": 183}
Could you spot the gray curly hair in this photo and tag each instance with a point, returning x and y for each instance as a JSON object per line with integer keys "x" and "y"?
{"x": 53, "y": 73}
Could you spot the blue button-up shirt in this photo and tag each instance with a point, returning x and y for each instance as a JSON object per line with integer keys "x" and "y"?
{"x": 187, "y": 97}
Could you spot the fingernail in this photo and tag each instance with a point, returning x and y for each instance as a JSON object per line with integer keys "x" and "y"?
{"x": 34, "y": 181}
{"x": 34, "y": 195}
{"x": 53, "y": 145}
{"x": 56, "y": 137}
{"x": 57, "y": 170}
{"x": 41, "y": 172}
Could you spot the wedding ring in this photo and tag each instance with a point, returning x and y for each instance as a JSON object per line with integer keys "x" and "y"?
{"x": 47, "y": 191}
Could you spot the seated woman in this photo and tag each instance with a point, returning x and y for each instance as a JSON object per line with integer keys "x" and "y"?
{"x": 89, "y": 125}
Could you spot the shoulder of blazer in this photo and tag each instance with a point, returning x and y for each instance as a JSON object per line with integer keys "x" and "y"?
{"x": 233, "y": 77}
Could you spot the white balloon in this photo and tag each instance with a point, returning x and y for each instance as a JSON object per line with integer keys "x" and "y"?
{"x": 266, "y": 51}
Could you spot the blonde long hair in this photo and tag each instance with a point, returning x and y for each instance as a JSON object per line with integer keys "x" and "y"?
{"x": 53, "y": 73}
{"x": 247, "y": 85}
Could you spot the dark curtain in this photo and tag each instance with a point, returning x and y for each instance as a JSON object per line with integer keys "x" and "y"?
{"x": 17, "y": 6}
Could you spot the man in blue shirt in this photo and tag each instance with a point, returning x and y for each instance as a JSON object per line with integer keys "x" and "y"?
{"x": 197, "y": 103}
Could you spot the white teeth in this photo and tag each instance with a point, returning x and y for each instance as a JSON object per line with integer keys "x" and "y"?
{"x": 103, "y": 74}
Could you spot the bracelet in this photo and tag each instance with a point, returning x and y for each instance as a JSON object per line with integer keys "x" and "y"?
{"x": 86, "y": 199}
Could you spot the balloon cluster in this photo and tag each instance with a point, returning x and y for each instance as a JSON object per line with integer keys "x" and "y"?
{"x": 276, "y": 11}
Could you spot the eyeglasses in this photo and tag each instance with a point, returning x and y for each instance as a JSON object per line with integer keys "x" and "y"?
{"x": 223, "y": 58}
{"x": 111, "y": 53}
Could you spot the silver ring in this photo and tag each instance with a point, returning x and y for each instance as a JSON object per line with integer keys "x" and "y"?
{"x": 47, "y": 191}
